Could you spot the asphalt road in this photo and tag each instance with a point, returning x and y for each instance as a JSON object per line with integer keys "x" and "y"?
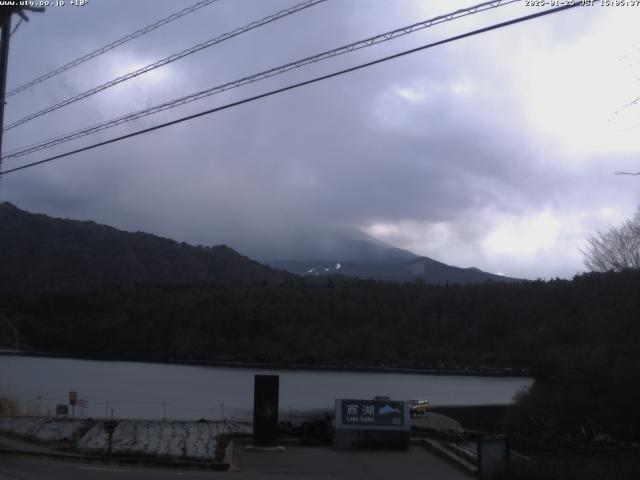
{"x": 324, "y": 463}
{"x": 295, "y": 463}
{"x": 26, "y": 468}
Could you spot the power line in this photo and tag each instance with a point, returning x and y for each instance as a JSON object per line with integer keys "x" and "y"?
{"x": 110, "y": 46}
{"x": 300, "y": 84}
{"x": 367, "y": 42}
{"x": 165, "y": 61}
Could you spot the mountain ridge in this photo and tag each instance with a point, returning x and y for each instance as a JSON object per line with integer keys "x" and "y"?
{"x": 353, "y": 253}
{"x": 39, "y": 252}
{"x": 42, "y": 252}
{"x": 394, "y": 270}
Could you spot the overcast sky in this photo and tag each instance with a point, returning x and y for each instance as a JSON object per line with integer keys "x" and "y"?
{"x": 496, "y": 151}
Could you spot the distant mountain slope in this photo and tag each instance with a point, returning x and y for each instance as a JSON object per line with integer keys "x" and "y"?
{"x": 400, "y": 270}
{"x": 40, "y": 252}
{"x": 355, "y": 254}
{"x": 327, "y": 244}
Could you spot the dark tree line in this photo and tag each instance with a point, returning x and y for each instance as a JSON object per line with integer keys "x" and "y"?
{"x": 335, "y": 322}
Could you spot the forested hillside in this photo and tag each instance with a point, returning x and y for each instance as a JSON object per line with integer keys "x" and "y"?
{"x": 339, "y": 322}
{"x": 38, "y": 252}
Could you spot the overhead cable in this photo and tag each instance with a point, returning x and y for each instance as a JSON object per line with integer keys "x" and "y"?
{"x": 297, "y": 85}
{"x": 165, "y": 61}
{"x": 110, "y": 46}
{"x": 367, "y": 42}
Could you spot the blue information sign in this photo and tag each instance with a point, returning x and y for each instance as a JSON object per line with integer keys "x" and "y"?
{"x": 386, "y": 414}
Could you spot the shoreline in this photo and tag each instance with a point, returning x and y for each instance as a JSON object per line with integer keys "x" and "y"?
{"x": 488, "y": 372}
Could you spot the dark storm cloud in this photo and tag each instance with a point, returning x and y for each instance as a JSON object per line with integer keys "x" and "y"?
{"x": 437, "y": 145}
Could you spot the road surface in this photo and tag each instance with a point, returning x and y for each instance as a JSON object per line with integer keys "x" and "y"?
{"x": 295, "y": 463}
{"x": 29, "y": 468}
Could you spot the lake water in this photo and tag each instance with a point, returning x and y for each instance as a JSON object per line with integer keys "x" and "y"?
{"x": 152, "y": 390}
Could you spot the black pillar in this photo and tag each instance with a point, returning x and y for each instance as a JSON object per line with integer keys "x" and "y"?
{"x": 265, "y": 410}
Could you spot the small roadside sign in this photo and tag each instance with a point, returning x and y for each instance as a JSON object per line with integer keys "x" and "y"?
{"x": 372, "y": 414}
{"x": 377, "y": 423}
{"x": 62, "y": 409}
{"x": 82, "y": 403}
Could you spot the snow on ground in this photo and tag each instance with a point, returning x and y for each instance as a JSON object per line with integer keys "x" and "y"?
{"x": 161, "y": 438}
{"x": 437, "y": 421}
{"x": 195, "y": 440}
{"x": 44, "y": 429}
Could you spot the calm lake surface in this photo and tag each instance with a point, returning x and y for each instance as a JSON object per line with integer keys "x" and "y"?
{"x": 151, "y": 390}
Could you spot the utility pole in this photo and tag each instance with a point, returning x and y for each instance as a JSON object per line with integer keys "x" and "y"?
{"x": 4, "y": 59}
{"x": 5, "y": 19}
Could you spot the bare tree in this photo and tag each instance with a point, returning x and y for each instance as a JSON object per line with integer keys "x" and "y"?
{"x": 616, "y": 249}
